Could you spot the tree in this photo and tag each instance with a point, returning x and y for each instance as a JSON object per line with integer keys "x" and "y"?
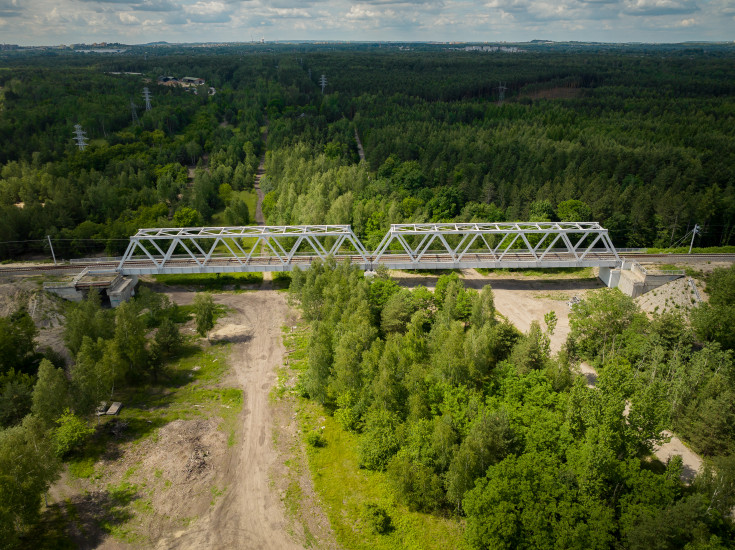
{"x": 204, "y": 313}
{"x": 87, "y": 319}
{"x": 167, "y": 340}
{"x": 16, "y": 390}
{"x": 71, "y": 433}
{"x": 17, "y": 342}
{"x": 489, "y": 440}
{"x": 532, "y": 350}
{"x": 598, "y": 318}
{"x": 397, "y": 312}
{"x": 130, "y": 338}
{"x": 237, "y": 213}
{"x": 415, "y": 485}
{"x": 28, "y": 465}
{"x": 527, "y": 502}
{"x": 573, "y": 211}
{"x": 483, "y": 309}
{"x": 714, "y": 323}
{"x": 187, "y": 217}
{"x": 90, "y": 384}
{"x": 50, "y": 394}
{"x": 379, "y": 441}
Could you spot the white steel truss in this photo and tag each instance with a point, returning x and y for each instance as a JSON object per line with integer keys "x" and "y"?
{"x": 405, "y": 246}
{"x": 232, "y": 249}
{"x": 496, "y": 245}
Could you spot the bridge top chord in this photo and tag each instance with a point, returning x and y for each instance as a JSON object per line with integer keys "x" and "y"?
{"x": 243, "y": 231}
{"x": 497, "y": 227}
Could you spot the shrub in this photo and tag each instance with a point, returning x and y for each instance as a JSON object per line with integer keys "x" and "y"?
{"x": 71, "y": 433}
{"x": 375, "y": 518}
{"x": 316, "y": 439}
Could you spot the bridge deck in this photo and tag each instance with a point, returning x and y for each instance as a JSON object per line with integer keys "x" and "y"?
{"x": 398, "y": 261}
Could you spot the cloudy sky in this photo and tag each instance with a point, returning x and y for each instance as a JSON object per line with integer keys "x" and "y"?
{"x": 51, "y": 22}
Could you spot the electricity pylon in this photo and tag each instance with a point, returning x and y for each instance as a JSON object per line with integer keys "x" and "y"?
{"x": 80, "y": 136}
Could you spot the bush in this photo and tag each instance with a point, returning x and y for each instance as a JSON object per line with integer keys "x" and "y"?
{"x": 71, "y": 433}
{"x": 375, "y": 518}
{"x": 316, "y": 439}
{"x": 379, "y": 441}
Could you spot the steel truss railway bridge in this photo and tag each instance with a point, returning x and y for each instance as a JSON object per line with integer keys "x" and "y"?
{"x": 404, "y": 246}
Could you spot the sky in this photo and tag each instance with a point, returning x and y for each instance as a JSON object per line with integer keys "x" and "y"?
{"x": 54, "y": 22}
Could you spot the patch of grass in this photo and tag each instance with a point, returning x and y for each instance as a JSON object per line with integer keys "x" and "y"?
{"x": 436, "y": 272}
{"x": 83, "y": 468}
{"x": 230, "y": 407}
{"x": 558, "y": 296}
{"x": 216, "y": 493}
{"x": 696, "y": 250}
{"x": 212, "y": 281}
{"x": 117, "y": 511}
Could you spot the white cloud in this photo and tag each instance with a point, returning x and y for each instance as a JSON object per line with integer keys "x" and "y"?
{"x": 660, "y": 7}
{"x": 64, "y": 21}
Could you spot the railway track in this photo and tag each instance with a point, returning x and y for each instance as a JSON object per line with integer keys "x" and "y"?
{"x": 388, "y": 259}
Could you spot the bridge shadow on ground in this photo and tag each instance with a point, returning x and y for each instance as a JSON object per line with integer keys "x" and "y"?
{"x": 519, "y": 283}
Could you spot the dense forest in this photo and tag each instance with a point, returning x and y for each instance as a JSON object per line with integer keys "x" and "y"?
{"x": 469, "y": 419}
{"x": 642, "y": 138}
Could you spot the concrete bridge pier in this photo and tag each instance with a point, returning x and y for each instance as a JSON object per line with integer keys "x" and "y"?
{"x": 610, "y": 276}
{"x": 633, "y": 279}
{"x": 122, "y": 290}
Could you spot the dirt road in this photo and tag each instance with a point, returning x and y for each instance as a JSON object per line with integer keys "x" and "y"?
{"x": 249, "y": 514}
{"x": 259, "y": 219}
{"x": 360, "y": 150}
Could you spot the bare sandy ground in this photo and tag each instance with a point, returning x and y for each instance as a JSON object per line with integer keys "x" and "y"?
{"x": 250, "y": 514}
{"x": 521, "y": 299}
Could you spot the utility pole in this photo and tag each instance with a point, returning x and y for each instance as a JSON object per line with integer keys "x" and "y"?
{"x": 501, "y": 93}
{"x": 695, "y": 232}
{"x": 52, "y": 248}
{"x": 80, "y": 136}
{"x": 147, "y": 97}
{"x": 323, "y": 82}
{"x": 133, "y": 111}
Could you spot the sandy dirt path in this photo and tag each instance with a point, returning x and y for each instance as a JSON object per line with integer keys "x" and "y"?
{"x": 249, "y": 514}
{"x": 259, "y": 219}
{"x": 360, "y": 150}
